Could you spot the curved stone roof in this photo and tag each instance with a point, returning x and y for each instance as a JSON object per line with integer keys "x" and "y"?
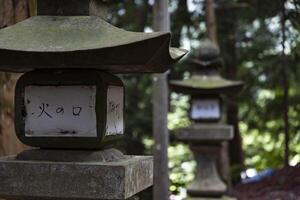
{"x": 206, "y": 84}
{"x": 83, "y": 42}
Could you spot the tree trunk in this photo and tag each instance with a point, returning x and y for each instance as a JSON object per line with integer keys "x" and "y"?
{"x": 235, "y": 147}
{"x": 11, "y": 12}
{"x": 227, "y": 17}
{"x": 210, "y": 20}
{"x": 160, "y": 110}
{"x": 286, "y": 86}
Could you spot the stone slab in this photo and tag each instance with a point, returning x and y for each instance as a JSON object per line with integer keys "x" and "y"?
{"x": 209, "y": 198}
{"x": 84, "y": 156}
{"x": 28, "y": 179}
{"x": 205, "y": 132}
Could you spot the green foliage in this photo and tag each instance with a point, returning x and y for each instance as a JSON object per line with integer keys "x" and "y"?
{"x": 260, "y": 65}
{"x": 181, "y": 163}
{"x": 182, "y": 166}
{"x": 178, "y": 117}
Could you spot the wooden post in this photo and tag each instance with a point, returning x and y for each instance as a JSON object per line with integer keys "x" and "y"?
{"x": 161, "y": 22}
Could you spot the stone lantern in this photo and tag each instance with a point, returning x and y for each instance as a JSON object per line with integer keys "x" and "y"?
{"x": 69, "y": 104}
{"x": 207, "y": 112}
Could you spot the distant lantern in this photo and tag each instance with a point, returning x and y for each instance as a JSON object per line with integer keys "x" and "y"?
{"x": 208, "y": 135}
{"x": 206, "y": 86}
{"x": 71, "y": 99}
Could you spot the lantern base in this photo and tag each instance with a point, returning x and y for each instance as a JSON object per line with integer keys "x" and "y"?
{"x": 106, "y": 155}
{"x": 206, "y": 142}
{"x": 207, "y": 182}
{"x": 210, "y": 198}
{"x": 115, "y": 176}
{"x": 206, "y": 133}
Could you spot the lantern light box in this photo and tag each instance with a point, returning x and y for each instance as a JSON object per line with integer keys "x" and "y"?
{"x": 205, "y": 109}
{"x": 62, "y": 108}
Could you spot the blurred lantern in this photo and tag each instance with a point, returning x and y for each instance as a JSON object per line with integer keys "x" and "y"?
{"x": 208, "y": 133}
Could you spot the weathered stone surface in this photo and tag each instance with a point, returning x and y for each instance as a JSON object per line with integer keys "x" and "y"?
{"x": 84, "y": 42}
{"x": 209, "y": 198}
{"x": 206, "y": 132}
{"x": 205, "y": 142}
{"x": 120, "y": 179}
{"x": 107, "y": 155}
{"x": 204, "y": 84}
{"x": 207, "y": 182}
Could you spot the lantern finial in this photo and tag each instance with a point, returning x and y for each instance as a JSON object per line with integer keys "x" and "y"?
{"x": 207, "y": 56}
{"x": 208, "y": 51}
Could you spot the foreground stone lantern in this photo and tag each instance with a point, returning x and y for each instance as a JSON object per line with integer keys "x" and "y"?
{"x": 70, "y": 105}
{"x": 207, "y": 111}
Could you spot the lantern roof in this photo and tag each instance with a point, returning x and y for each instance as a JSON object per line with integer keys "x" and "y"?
{"x": 207, "y": 78}
{"x": 83, "y": 42}
{"x": 206, "y": 84}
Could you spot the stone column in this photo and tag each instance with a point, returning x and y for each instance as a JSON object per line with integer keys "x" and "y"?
{"x": 205, "y": 141}
{"x": 207, "y": 181}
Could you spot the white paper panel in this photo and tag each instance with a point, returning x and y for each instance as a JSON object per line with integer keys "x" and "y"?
{"x": 60, "y": 111}
{"x": 115, "y": 105}
{"x": 206, "y": 109}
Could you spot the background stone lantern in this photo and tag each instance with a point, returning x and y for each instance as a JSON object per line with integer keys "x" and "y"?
{"x": 207, "y": 111}
{"x": 70, "y": 105}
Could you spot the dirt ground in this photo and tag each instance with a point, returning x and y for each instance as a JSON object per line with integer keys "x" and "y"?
{"x": 284, "y": 184}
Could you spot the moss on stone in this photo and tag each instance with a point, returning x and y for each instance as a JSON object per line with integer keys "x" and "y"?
{"x": 207, "y": 82}
{"x": 57, "y": 33}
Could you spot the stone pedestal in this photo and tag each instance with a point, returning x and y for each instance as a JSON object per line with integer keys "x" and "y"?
{"x": 206, "y": 141}
{"x": 211, "y": 198}
{"x": 59, "y": 174}
{"x": 207, "y": 181}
